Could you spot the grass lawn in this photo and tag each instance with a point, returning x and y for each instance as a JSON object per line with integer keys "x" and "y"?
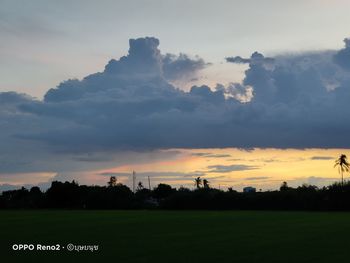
{"x": 178, "y": 236}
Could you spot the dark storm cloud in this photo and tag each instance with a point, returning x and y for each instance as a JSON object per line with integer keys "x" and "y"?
{"x": 295, "y": 101}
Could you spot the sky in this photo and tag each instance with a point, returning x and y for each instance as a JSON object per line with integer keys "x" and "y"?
{"x": 240, "y": 92}
{"x": 44, "y": 43}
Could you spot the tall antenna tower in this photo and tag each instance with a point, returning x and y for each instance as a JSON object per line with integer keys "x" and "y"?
{"x": 149, "y": 183}
{"x": 133, "y": 181}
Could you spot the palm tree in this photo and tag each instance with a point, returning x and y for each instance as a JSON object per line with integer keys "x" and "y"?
{"x": 198, "y": 182}
{"x": 205, "y": 183}
{"x": 343, "y": 166}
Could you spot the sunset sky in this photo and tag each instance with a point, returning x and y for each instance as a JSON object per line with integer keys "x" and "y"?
{"x": 237, "y": 168}
{"x": 243, "y": 93}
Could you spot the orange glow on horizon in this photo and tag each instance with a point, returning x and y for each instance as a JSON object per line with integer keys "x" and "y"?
{"x": 261, "y": 168}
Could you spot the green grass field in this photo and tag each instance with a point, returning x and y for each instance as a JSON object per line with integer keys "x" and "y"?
{"x": 178, "y": 236}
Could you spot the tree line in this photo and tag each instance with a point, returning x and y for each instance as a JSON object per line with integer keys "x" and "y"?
{"x": 71, "y": 195}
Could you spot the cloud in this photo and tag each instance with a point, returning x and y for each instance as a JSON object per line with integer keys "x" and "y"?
{"x": 256, "y": 58}
{"x": 236, "y": 91}
{"x": 181, "y": 66}
{"x": 11, "y": 99}
{"x": 238, "y": 60}
{"x": 290, "y": 100}
{"x": 230, "y": 168}
{"x": 322, "y": 158}
{"x": 109, "y": 174}
{"x": 257, "y": 178}
{"x": 342, "y": 57}
{"x": 141, "y": 74}
{"x": 15, "y": 24}
{"x": 265, "y": 160}
{"x": 211, "y": 155}
{"x": 246, "y": 149}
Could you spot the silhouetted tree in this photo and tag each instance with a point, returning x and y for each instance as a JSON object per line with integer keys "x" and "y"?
{"x": 284, "y": 186}
{"x": 112, "y": 181}
{"x": 307, "y": 188}
{"x": 163, "y": 191}
{"x": 65, "y": 194}
{"x": 205, "y": 183}
{"x": 198, "y": 182}
{"x": 35, "y": 190}
{"x": 139, "y": 186}
{"x": 184, "y": 189}
{"x": 70, "y": 195}
{"x": 230, "y": 190}
{"x": 343, "y": 166}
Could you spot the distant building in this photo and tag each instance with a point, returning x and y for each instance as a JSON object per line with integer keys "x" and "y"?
{"x": 249, "y": 189}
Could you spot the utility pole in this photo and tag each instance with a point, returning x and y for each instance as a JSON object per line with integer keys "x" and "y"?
{"x": 133, "y": 181}
{"x": 149, "y": 183}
